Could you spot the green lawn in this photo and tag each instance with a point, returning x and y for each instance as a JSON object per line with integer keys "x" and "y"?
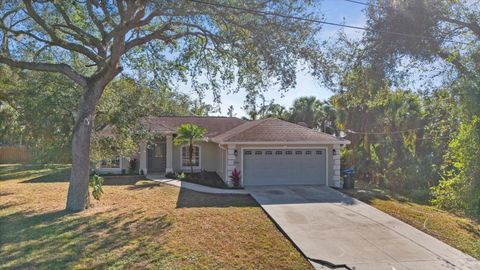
{"x": 140, "y": 225}
{"x": 458, "y": 231}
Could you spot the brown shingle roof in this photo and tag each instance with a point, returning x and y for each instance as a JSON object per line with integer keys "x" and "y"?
{"x": 214, "y": 125}
{"x": 275, "y": 130}
{"x": 232, "y": 129}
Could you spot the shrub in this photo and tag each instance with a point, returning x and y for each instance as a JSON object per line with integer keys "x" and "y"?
{"x": 96, "y": 184}
{"x": 181, "y": 176}
{"x": 235, "y": 177}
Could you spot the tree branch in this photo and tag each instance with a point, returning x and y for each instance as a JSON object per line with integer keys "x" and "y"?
{"x": 47, "y": 67}
{"x": 78, "y": 33}
{"x": 472, "y": 26}
{"x": 55, "y": 40}
{"x": 95, "y": 20}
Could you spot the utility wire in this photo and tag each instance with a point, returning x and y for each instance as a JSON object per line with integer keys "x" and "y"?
{"x": 418, "y": 139}
{"x": 383, "y": 133}
{"x": 358, "y": 2}
{"x": 269, "y": 13}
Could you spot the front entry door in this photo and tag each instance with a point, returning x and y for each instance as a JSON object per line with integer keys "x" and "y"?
{"x": 157, "y": 158}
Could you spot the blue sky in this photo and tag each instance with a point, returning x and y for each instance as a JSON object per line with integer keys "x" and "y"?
{"x": 338, "y": 11}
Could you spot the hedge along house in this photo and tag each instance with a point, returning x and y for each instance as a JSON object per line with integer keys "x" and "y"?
{"x": 266, "y": 152}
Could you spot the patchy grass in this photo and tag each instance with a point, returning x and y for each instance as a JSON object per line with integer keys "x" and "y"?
{"x": 144, "y": 225}
{"x": 458, "y": 231}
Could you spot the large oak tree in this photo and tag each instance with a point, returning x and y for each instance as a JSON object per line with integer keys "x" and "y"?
{"x": 92, "y": 41}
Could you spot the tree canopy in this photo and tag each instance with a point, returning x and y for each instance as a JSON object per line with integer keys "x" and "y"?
{"x": 413, "y": 136}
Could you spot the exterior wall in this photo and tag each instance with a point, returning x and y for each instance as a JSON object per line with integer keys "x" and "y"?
{"x": 336, "y": 166}
{"x": 142, "y": 158}
{"x": 208, "y": 157}
{"x": 232, "y": 163}
{"x": 169, "y": 153}
{"x": 236, "y": 161}
{"x": 221, "y": 161}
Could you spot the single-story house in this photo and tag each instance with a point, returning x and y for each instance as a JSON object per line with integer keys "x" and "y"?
{"x": 266, "y": 152}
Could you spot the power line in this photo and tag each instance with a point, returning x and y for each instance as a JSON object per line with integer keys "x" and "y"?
{"x": 269, "y": 13}
{"x": 383, "y": 133}
{"x": 417, "y": 139}
{"x": 358, "y": 2}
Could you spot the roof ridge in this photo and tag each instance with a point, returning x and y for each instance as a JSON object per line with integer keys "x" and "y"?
{"x": 161, "y": 124}
{"x": 304, "y": 127}
{"x": 253, "y": 123}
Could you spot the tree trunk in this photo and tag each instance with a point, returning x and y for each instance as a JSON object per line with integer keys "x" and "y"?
{"x": 78, "y": 196}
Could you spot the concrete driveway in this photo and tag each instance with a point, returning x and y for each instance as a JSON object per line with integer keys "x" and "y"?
{"x": 330, "y": 226}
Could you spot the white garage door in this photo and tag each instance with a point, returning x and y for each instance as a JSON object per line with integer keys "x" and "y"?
{"x": 284, "y": 167}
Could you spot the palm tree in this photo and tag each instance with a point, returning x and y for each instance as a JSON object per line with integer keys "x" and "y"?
{"x": 307, "y": 110}
{"x": 317, "y": 114}
{"x": 186, "y": 133}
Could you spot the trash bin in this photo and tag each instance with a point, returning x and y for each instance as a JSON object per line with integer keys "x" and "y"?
{"x": 348, "y": 181}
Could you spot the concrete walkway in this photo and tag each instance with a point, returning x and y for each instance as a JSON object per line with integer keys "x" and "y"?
{"x": 328, "y": 225}
{"x": 195, "y": 187}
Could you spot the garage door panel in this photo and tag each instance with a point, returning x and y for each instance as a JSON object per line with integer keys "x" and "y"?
{"x": 284, "y": 167}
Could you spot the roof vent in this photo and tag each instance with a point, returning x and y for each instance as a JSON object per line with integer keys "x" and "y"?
{"x": 303, "y": 124}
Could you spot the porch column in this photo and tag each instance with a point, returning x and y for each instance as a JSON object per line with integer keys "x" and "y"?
{"x": 230, "y": 164}
{"x": 143, "y": 158}
{"x": 169, "y": 146}
{"x": 336, "y": 166}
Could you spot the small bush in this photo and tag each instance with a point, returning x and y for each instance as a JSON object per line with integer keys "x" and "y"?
{"x": 181, "y": 176}
{"x": 235, "y": 177}
{"x": 96, "y": 184}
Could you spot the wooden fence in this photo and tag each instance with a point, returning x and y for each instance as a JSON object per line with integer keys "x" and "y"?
{"x": 15, "y": 154}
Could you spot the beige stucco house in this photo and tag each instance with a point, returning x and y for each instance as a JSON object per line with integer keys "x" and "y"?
{"x": 266, "y": 152}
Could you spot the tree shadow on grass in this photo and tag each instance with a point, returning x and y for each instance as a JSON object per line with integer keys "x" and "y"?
{"x": 365, "y": 195}
{"x": 63, "y": 175}
{"x": 59, "y": 239}
{"x": 57, "y": 176}
{"x": 472, "y": 229}
{"x": 145, "y": 184}
{"x": 16, "y": 171}
{"x": 189, "y": 199}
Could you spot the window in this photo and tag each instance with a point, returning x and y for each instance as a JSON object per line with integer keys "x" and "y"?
{"x": 248, "y": 152}
{"x": 113, "y": 163}
{"x": 186, "y": 157}
{"x": 288, "y": 152}
{"x": 258, "y": 152}
{"x": 318, "y": 152}
{"x": 298, "y": 152}
{"x": 268, "y": 152}
{"x": 308, "y": 152}
{"x": 278, "y": 152}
